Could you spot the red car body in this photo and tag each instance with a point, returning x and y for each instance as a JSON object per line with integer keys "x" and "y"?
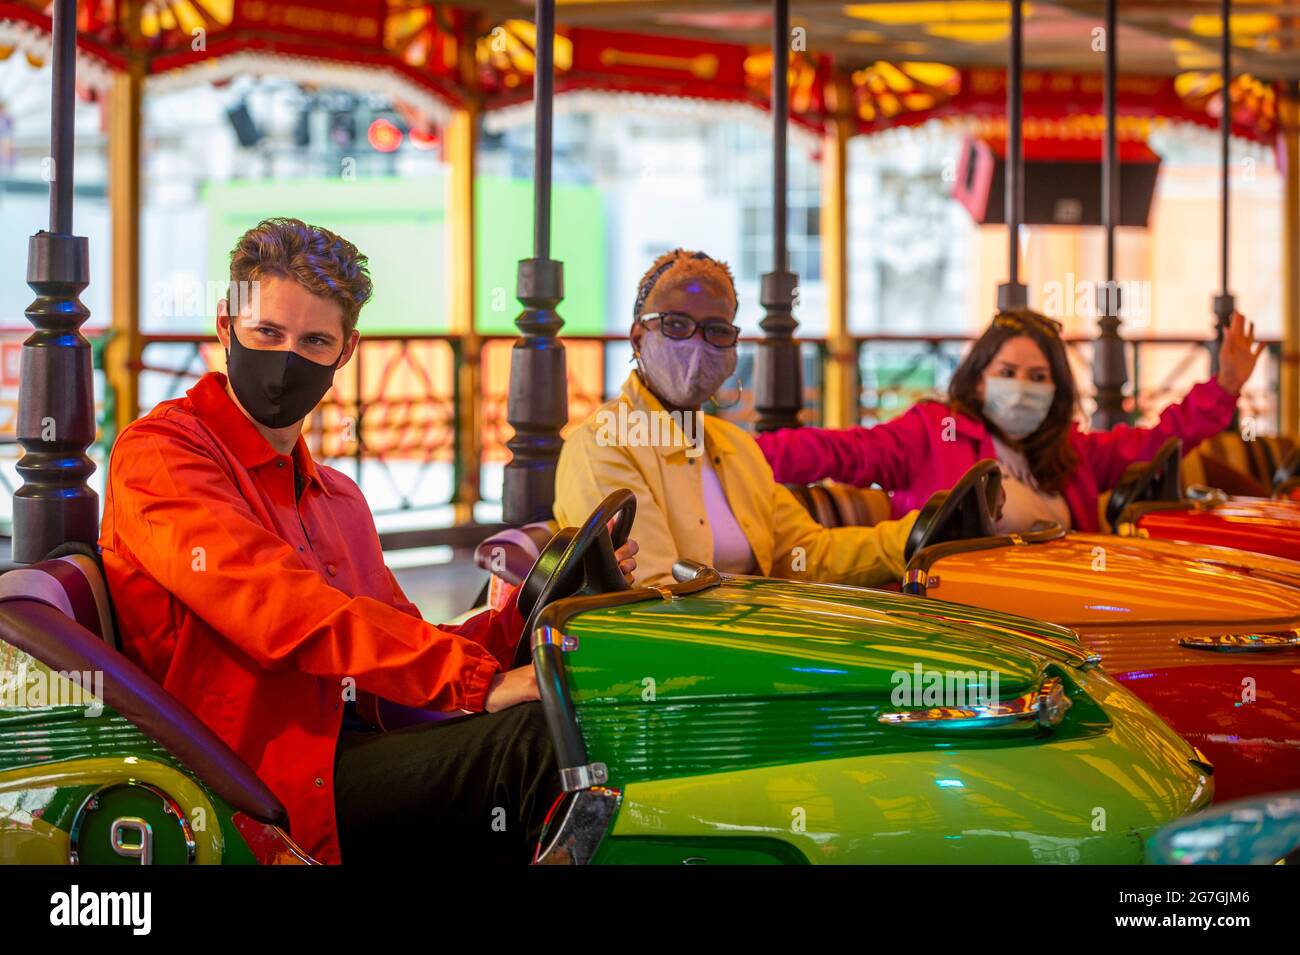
{"x": 1154, "y": 611}
{"x": 1255, "y": 524}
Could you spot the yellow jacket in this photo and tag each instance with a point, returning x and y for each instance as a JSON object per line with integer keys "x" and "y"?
{"x": 603, "y": 454}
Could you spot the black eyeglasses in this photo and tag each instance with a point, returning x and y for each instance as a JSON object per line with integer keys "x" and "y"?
{"x": 717, "y": 333}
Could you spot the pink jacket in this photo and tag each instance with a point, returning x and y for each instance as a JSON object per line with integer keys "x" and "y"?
{"x": 910, "y": 457}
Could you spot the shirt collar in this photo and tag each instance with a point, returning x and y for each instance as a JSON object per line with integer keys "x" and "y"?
{"x": 642, "y": 398}
{"x": 219, "y": 412}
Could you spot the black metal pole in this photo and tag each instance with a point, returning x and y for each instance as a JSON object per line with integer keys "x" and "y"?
{"x": 780, "y": 133}
{"x": 1224, "y": 303}
{"x": 56, "y": 412}
{"x": 537, "y": 403}
{"x": 1013, "y": 294}
{"x": 543, "y": 111}
{"x": 63, "y": 107}
{"x": 778, "y": 371}
{"x": 1109, "y": 366}
{"x": 1109, "y": 178}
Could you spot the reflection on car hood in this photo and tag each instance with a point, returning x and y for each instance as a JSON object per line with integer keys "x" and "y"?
{"x": 1090, "y": 581}
{"x": 757, "y": 635}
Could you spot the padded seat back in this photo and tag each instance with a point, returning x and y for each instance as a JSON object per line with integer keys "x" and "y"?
{"x": 822, "y": 506}
{"x": 58, "y": 611}
{"x": 72, "y": 583}
{"x": 1257, "y": 460}
{"x": 510, "y": 554}
{"x": 859, "y": 506}
{"x": 842, "y": 505}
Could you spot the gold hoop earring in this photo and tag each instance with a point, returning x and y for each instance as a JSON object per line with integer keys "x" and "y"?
{"x": 740, "y": 394}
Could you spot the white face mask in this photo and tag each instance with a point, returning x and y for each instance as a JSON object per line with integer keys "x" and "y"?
{"x": 1017, "y": 407}
{"x": 684, "y": 372}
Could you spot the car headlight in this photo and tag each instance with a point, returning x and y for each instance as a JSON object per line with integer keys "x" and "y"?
{"x": 1244, "y": 642}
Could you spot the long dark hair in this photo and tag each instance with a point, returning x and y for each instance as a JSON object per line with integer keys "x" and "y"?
{"x": 1050, "y": 456}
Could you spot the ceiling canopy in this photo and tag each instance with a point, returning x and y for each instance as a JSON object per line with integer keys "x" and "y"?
{"x": 877, "y": 64}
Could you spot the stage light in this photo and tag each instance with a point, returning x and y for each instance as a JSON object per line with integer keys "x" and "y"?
{"x": 384, "y": 136}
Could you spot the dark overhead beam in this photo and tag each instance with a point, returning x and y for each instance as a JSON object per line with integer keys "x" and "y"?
{"x": 1260, "y": 63}
{"x": 828, "y": 27}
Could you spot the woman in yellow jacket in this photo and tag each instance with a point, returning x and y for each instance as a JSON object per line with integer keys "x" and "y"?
{"x": 704, "y": 490}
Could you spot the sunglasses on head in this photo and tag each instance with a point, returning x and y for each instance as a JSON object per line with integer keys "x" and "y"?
{"x": 1022, "y": 320}
{"x": 718, "y": 333}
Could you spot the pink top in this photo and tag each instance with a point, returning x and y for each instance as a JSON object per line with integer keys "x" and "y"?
{"x": 928, "y": 447}
{"x": 731, "y": 551}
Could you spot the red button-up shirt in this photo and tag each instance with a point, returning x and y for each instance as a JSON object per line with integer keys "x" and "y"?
{"x": 263, "y": 612}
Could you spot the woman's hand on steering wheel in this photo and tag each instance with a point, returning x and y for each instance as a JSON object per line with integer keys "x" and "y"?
{"x": 593, "y": 559}
{"x": 626, "y": 554}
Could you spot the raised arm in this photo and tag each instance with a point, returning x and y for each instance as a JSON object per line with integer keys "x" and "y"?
{"x": 884, "y": 454}
{"x": 1205, "y": 411}
{"x": 206, "y": 547}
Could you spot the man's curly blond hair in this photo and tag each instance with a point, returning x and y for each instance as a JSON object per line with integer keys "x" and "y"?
{"x": 323, "y": 263}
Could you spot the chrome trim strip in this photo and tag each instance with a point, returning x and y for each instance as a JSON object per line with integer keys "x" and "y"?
{"x": 1046, "y": 706}
{"x": 1242, "y": 642}
{"x": 575, "y": 778}
{"x": 553, "y": 636}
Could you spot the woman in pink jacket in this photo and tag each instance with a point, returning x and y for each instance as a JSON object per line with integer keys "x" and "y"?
{"x": 1013, "y": 398}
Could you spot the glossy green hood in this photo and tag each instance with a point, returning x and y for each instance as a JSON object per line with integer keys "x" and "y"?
{"x": 756, "y": 672}
{"x": 759, "y": 637}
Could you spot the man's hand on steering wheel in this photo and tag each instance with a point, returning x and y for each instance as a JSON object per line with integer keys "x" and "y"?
{"x": 511, "y": 688}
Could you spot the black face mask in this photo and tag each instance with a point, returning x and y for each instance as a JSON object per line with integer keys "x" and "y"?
{"x": 278, "y": 388}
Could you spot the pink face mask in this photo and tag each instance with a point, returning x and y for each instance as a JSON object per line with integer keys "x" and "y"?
{"x": 684, "y": 372}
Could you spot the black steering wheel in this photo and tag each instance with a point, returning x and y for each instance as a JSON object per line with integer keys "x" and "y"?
{"x": 1156, "y": 480}
{"x": 966, "y": 511}
{"x": 1287, "y": 477}
{"x": 577, "y": 561}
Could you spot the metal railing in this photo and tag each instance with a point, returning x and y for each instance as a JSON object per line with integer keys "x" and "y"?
{"x": 392, "y": 419}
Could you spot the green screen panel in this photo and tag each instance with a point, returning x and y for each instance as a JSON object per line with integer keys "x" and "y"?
{"x": 505, "y": 235}
{"x": 397, "y": 223}
{"x": 400, "y": 224}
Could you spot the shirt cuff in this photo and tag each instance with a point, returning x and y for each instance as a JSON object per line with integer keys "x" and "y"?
{"x": 1218, "y": 394}
{"x": 474, "y": 698}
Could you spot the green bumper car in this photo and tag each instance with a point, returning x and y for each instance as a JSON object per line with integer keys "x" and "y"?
{"x": 719, "y": 720}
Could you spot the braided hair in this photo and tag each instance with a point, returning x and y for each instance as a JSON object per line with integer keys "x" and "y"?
{"x": 687, "y": 265}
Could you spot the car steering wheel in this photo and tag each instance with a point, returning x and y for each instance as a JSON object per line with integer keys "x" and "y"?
{"x": 577, "y": 561}
{"x": 1287, "y": 477}
{"x": 964, "y": 512}
{"x": 1156, "y": 480}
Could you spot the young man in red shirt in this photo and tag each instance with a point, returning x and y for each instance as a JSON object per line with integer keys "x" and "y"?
{"x": 249, "y": 581}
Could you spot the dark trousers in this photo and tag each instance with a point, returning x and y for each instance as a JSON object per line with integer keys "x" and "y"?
{"x": 472, "y": 789}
